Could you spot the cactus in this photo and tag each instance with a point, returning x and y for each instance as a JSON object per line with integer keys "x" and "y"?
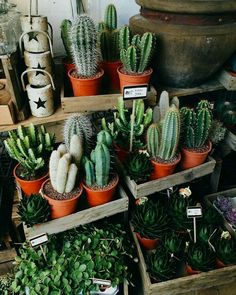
{"x": 80, "y": 125}
{"x": 196, "y": 125}
{"x": 84, "y": 46}
{"x": 110, "y": 17}
{"x": 65, "y": 36}
{"x": 30, "y": 146}
{"x": 124, "y": 37}
{"x": 153, "y": 140}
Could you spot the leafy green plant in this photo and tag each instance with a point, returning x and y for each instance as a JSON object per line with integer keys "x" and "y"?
{"x": 31, "y": 147}
{"x": 5, "y": 284}
{"x": 34, "y": 209}
{"x": 175, "y": 244}
{"x": 150, "y": 220}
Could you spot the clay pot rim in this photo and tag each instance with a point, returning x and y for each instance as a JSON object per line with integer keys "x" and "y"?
{"x": 24, "y": 180}
{"x": 147, "y": 72}
{"x": 147, "y": 239}
{"x": 98, "y": 75}
{"x": 59, "y": 201}
{"x": 191, "y": 270}
{"x": 111, "y": 62}
{"x": 168, "y": 163}
{"x": 189, "y": 151}
{"x": 116, "y": 180}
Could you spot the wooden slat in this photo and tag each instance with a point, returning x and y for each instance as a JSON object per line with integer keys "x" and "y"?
{"x": 150, "y": 187}
{"x": 7, "y": 255}
{"x": 82, "y": 217}
{"x": 227, "y": 80}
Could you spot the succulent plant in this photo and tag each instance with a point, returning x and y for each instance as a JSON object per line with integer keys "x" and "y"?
{"x": 226, "y": 111}
{"x": 161, "y": 265}
{"x": 110, "y": 17}
{"x": 150, "y": 220}
{"x": 65, "y": 36}
{"x": 138, "y": 167}
{"x": 125, "y": 38}
{"x": 162, "y": 142}
{"x": 84, "y": 46}
{"x": 223, "y": 203}
{"x": 205, "y": 231}
{"x": 174, "y": 244}
{"x": 217, "y": 132}
{"x": 225, "y": 246}
{"x": 211, "y": 216}
{"x": 196, "y": 125}
{"x": 200, "y": 256}
{"x": 34, "y": 209}
{"x": 30, "y": 146}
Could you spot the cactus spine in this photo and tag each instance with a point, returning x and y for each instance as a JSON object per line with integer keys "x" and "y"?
{"x": 84, "y": 46}
{"x": 65, "y": 36}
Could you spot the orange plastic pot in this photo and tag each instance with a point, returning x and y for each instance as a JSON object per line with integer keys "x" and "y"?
{"x": 148, "y": 244}
{"x": 163, "y": 169}
{"x": 86, "y": 86}
{"x": 29, "y": 187}
{"x": 191, "y": 271}
{"x": 192, "y": 159}
{"x": 67, "y": 65}
{"x": 111, "y": 77}
{"x": 133, "y": 80}
{"x": 60, "y": 208}
{"x": 220, "y": 263}
{"x": 100, "y": 197}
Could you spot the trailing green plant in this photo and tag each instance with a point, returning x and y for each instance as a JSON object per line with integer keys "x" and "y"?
{"x": 84, "y": 46}
{"x": 128, "y": 127}
{"x": 138, "y": 167}
{"x": 226, "y": 111}
{"x": 150, "y": 220}
{"x": 31, "y": 147}
{"x": 175, "y": 244}
{"x": 5, "y": 284}
{"x": 65, "y": 36}
{"x": 34, "y": 209}
{"x": 162, "y": 142}
{"x": 196, "y": 125}
{"x": 200, "y": 256}
{"x": 217, "y": 132}
{"x": 161, "y": 265}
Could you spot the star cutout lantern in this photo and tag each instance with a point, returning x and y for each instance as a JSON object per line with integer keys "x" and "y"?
{"x": 40, "y": 103}
{"x": 33, "y": 36}
{"x": 39, "y": 68}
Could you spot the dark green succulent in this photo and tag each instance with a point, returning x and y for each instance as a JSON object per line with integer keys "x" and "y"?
{"x": 161, "y": 265}
{"x": 200, "y": 256}
{"x": 205, "y": 231}
{"x": 174, "y": 243}
{"x": 138, "y": 167}
{"x": 34, "y": 209}
{"x": 211, "y": 216}
{"x": 226, "y": 111}
{"x": 225, "y": 247}
{"x": 150, "y": 220}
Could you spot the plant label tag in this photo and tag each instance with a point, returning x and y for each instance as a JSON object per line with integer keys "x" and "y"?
{"x": 194, "y": 211}
{"x": 102, "y": 282}
{"x": 38, "y": 240}
{"x": 135, "y": 92}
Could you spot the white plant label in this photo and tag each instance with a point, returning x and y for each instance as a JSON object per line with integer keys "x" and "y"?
{"x": 38, "y": 240}
{"x": 194, "y": 212}
{"x": 102, "y": 282}
{"x": 135, "y": 92}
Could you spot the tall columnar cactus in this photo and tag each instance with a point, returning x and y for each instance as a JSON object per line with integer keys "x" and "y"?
{"x": 196, "y": 125}
{"x": 65, "y": 36}
{"x": 163, "y": 142}
{"x": 110, "y": 17}
{"x": 30, "y": 146}
{"x": 82, "y": 126}
{"x": 62, "y": 171}
{"x": 84, "y": 46}
{"x": 124, "y": 37}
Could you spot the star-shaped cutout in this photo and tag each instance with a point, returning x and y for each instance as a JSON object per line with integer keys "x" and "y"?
{"x": 40, "y": 103}
{"x": 33, "y": 36}
{"x": 39, "y": 68}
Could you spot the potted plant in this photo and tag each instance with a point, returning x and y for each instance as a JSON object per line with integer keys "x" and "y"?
{"x": 86, "y": 77}
{"x": 135, "y": 56}
{"x": 31, "y": 147}
{"x": 109, "y": 47}
{"x": 196, "y": 124}
{"x": 175, "y": 244}
{"x": 100, "y": 179}
{"x": 150, "y": 222}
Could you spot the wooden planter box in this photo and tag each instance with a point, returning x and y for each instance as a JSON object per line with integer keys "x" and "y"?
{"x": 81, "y": 217}
{"x": 188, "y": 284}
{"x": 150, "y": 187}
{"x": 7, "y": 115}
{"x": 231, "y": 193}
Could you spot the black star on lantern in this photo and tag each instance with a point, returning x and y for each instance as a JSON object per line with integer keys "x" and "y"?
{"x": 33, "y": 36}
{"x": 39, "y": 68}
{"x": 40, "y": 103}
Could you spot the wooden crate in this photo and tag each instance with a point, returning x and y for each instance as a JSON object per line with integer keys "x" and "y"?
{"x": 231, "y": 193}
{"x": 7, "y": 115}
{"x": 81, "y": 217}
{"x": 208, "y": 283}
{"x": 150, "y": 187}
{"x": 227, "y": 80}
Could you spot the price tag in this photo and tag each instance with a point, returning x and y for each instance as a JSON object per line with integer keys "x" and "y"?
{"x": 135, "y": 92}
{"x": 102, "y": 282}
{"x": 194, "y": 211}
{"x": 38, "y": 240}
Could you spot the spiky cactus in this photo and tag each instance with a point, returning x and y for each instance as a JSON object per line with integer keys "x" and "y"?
{"x": 110, "y": 17}
{"x": 65, "y": 36}
{"x": 30, "y": 146}
{"x": 163, "y": 142}
{"x": 124, "y": 37}
{"x": 196, "y": 125}
{"x": 84, "y": 46}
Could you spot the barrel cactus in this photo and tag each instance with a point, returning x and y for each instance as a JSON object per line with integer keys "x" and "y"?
{"x": 84, "y": 46}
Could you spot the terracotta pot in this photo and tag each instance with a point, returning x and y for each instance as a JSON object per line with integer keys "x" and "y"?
{"x": 111, "y": 77}
{"x": 121, "y": 153}
{"x": 99, "y": 197}
{"x": 163, "y": 169}
{"x": 192, "y": 159}
{"x": 29, "y": 187}
{"x": 133, "y": 80}
{"x": 68, "y": 65}
{"x": 191, "y": 271}
{"x": 60, "y": 208}
{"x": 87, "y": 86}
{"x": 148, "y": 244}
{"x": 220, "y": 263}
